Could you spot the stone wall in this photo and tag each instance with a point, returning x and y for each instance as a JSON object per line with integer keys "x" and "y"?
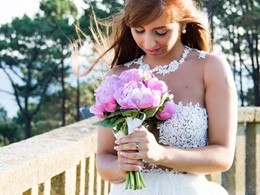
{"x": 63, "y": 161}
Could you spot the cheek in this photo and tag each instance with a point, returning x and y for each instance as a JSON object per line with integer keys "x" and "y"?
{"x": 135, "y": 37}
{"x": 171, "y": 39}
{"x": 138, "y": 40}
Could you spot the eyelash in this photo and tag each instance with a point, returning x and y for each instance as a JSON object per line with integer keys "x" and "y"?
{"x": 158, "y": 34}
{"x": 162, "y": 34}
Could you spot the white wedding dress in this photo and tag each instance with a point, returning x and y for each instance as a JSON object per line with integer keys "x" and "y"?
{"x": 188, "y": 129}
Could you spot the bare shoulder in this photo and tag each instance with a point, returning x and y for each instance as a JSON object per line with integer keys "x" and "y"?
{"x": 217, "y": 69}
{"x": 116, "y": 70}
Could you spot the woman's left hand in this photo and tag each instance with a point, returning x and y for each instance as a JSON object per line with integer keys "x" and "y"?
{"x": 140, "y": 145}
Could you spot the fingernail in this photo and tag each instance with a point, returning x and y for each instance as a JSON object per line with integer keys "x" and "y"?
{"x": 116, "y": 147}
{"x": 117, "y": 142}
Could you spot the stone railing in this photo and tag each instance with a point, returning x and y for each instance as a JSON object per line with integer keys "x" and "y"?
{"x": 62, "y": 162}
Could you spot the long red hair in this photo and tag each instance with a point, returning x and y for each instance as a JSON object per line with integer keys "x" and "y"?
{"x": 137, "y": 13}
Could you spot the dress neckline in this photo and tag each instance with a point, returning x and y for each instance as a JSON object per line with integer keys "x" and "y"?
{"x": 164, "y": 69}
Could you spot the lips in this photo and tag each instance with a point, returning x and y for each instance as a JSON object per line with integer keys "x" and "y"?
{"x": 152, "y": 52}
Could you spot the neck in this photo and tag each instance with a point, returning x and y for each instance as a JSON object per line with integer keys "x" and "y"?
{"x": 175, "y": 54}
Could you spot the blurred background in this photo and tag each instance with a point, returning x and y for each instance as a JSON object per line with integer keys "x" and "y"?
{"x": 38, "y": 89}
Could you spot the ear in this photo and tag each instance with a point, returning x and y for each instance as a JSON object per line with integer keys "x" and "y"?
{"x": 183, "y": 26}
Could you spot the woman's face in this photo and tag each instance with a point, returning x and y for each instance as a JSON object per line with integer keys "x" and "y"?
{"x": 159, "y": 37}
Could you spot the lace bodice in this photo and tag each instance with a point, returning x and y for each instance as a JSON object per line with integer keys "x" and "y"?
{"x": 187, "y": 129}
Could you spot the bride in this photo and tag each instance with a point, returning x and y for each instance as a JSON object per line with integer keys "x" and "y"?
{"x": 171, "y": 38}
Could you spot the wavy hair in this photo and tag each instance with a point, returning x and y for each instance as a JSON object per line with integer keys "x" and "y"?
{"x": 141, "y": 12}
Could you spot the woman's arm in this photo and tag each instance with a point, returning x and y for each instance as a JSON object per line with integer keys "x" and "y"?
{"x": 106, "y": 159}
{"x": 221, "y": 104}
{"x": 111, "y": 166}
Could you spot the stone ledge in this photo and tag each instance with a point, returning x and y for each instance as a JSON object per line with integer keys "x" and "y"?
{"x": 39, "y": 158}
{"x": 248, "y": 114}
{"x": 35, "y": 160}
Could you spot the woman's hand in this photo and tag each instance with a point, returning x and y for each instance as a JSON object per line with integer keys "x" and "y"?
{"x": 126, "y": 164}
{"x": 138, "y": 146}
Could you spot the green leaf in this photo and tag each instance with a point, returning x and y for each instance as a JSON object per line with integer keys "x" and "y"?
{"x": 113, "y": 114}
{"x": 150, "y": 112}
{"x": 111, "y": 122}
{"x": 104, "y": 123}
{"x": 130, "y": 113}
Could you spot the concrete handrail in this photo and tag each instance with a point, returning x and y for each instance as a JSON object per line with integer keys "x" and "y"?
{"x": 62, "y": 161}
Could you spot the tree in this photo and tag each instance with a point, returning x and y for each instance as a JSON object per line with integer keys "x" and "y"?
{"x": 102, "y": 9}
{"x": 43, "y": 122}
{"x": 26, "y": 57}
{"x": 58, "y": 13}
{"x": 8, "y": 129}
{"x": 240, "y": 33}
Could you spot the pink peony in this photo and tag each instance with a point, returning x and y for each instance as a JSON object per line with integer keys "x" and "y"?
{"x": 132, "y": 75}
{"x": 105, "y": 92}
{"x": 155, "y": 84}
{"x": 98, "y": 110}
{"x": 135, "y": 95}
{"x": 168, "y": 111}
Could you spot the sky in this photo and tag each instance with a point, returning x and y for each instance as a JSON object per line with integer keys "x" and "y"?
{"x": 10, "y": 9}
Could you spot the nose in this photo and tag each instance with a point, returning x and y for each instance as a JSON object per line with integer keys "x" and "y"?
{"x": 149, "y": 41}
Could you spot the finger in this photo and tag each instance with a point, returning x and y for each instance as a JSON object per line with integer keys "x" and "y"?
{"x": 133, "y": 162}
{"x": 138, "y": 136}
{"x": 129, "y": 146}
{"x": 141, "y": 128}
{"x": 131, "y": 155}
{"x": 130, "y": 165}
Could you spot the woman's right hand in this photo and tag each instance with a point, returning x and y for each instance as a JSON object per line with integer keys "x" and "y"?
{"x": 126, "y": 164}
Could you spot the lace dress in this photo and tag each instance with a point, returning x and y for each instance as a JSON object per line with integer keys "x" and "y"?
{"x": 188, "y": 129}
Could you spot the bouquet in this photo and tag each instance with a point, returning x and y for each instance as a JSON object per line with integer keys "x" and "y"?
{"x": 124, "y": 102}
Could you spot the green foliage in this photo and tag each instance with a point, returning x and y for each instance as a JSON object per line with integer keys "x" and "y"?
{"x": 112, "y": 6}
{"x": 58, "y": 9}
{"x": 238, "y": 22}
{"x": 32, "y": 55}
{"x": 9, "y": 130}
{"x": 49, "y": 116}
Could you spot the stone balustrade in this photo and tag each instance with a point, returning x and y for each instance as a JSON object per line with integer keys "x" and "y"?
{"x": 62, "y": 161}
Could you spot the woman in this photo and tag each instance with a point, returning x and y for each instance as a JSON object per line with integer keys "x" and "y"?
{"x": 170, "y": 38}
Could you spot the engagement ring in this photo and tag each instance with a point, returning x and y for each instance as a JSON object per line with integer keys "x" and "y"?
{"x": 137, "y": 146}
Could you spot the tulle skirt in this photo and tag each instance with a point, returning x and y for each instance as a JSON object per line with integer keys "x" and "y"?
{"x": 168, "y": 183}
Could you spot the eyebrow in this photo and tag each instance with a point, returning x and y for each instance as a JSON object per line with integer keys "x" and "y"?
{"x": 160, "y": 27}
{"x": 157, "y": 28}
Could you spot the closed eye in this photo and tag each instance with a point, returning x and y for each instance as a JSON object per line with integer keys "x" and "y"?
{"x": 161, "y": 32}
{"x": 139, "y": 31}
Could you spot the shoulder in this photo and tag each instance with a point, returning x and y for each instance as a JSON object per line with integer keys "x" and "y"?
{"x": 117, "y": 70}
{"x": 216, "y": 68}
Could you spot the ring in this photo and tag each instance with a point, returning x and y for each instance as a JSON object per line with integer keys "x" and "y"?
{"x": 137, "y": 146}
{"x": 126, "y": 161}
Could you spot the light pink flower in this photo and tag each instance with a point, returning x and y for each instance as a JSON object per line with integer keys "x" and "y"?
{"x": 105, "y": 92}
{"x": 135, "y": 95}
{"x": 155, "y": 84}
{"x": 168, "y": 111}
{"x": 98, "y": 110}
{"x": 132, "y": 75}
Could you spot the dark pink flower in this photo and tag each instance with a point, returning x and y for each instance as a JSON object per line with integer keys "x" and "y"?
{"x": 168, "y": 111}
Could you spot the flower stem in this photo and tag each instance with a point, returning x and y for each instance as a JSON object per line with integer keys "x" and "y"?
{"x": 134, "y": 180}
{"x": 127, "y": 180}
